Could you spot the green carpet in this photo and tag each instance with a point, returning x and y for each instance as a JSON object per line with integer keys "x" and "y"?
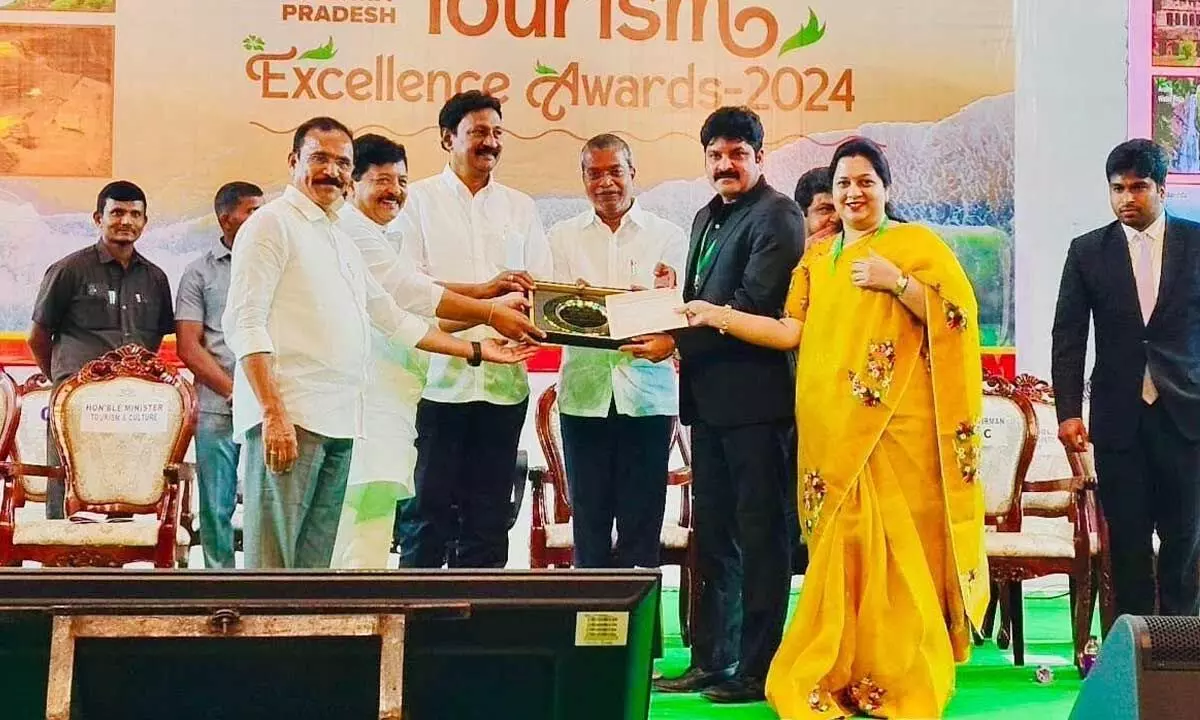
{"x": 989, "y": 686}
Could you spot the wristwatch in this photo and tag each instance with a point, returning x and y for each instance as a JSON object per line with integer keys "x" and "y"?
{"x": 476, "y": 358}
{"x": 901, "y": 286}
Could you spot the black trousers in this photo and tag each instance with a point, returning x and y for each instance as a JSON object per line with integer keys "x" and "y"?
{"x": 466, "y": 457}
{"x": 617, "y": 471}
{"x": 739, "y": 478}
{"x": 1153, "y": 485}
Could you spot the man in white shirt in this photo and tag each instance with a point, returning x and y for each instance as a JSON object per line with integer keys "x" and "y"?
{"x": 463, "y": 226}
{"x": 382, "y": 467}
{"x": 298, "y": 318}
{"x": 616, "y": 411}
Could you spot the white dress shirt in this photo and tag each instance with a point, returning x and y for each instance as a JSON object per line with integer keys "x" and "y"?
{"x": 386, "y": 453}
{"x": 394, "y": 270}
{"x": 583, "y": 247}
{"x": 1153, "y": 235}
{"x": 463, "y": 238}
{"x": 299, "y": 290}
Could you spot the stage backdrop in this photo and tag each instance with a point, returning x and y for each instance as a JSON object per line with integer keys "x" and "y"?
{"x": 181, "y": 96}
{"x": 1164, "y": 87}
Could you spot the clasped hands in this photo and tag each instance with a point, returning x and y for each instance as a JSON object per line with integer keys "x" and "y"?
{"x": 654, "y": 347}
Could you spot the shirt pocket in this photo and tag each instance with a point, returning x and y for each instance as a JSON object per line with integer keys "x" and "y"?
{"x": 504, "y": 247}
{"x": 95, "y": 312}
{"x": 147, "y": 312}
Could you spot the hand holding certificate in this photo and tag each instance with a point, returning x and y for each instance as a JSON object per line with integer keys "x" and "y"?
{"x": 644, "y": 312}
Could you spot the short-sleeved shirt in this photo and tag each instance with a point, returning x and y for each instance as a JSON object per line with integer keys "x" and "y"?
{"x": 202, "y": 293}
{"x": 90, "y": 304}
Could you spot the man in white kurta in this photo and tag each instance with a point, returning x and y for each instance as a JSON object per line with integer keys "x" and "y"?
{"x": 382, "y": 466}
{"x": 468, "y": 227}
{"x": 299, "y": 317}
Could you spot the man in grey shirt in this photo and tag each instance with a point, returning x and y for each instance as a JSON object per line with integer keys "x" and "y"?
{"x": 200, "y": 305}
{"x": 97, "y": 299}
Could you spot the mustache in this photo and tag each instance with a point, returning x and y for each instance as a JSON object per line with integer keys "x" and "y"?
{"x": 488, "y": 151}
{"x": 332, "y": 182}
{"x": 732, "y": 175}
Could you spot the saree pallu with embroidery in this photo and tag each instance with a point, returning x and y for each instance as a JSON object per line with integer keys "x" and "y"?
{"x": 886, "y": 410}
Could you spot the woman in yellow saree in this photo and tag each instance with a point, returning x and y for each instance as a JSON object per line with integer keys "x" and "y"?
{"x": 888, "y": 396}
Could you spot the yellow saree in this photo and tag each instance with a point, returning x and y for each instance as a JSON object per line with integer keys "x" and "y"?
{"x": 886, "y": 411}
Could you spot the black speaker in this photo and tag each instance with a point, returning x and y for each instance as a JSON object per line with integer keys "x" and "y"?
{"x": 1147, "y": 669}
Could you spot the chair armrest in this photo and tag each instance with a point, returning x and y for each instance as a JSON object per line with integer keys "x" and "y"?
{"x": 8, "y": 498}
{"x": 179, "y": 474}
{"x": 13, "y": 469}
{"x": 682, "y": 479}
{"x": 520, "y": 478}
{"x": 679, "y": 477}
{"x": 537, "y": 481}
{"x": 1067, "y": 484}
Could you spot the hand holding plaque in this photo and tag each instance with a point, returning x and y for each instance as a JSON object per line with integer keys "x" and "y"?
{"x": 573, "y": 314}
{"x": 602, "y": 317}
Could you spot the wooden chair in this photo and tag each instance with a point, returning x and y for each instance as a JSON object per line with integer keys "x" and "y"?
{"x": 551, "y": 541}
{"x": 121, "y": 465}
{"x": 10, "y": 413}
{"x": 1050, "y": 461}
{"x": 30, "y": 443}
{"x": 1017, "y": 552}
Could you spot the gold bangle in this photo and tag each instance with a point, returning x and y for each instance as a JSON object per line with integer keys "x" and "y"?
{"x": 725, "y": 320}
{"x": 491, "y": 311}
{"x": 901, "y": 286}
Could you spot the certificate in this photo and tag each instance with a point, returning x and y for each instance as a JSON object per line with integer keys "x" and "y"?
{"x": 645, "y": 311}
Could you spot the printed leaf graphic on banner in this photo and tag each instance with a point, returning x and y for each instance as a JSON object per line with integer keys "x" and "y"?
{"x": 254, "y": 43}
{"x": 324, "y": 52}
{"x": 541, "y": 69}
{"x": 808, "y": 35}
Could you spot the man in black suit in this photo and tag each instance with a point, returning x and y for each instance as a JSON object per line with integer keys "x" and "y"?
{"x": 1136, "y": 279}
{"x": 738, "y": 400}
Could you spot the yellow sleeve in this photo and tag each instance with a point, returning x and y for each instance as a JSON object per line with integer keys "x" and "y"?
{"x": 796, "y": 305}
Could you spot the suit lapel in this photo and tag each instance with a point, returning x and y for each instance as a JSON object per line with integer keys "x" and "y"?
{"x": 1116, "y": 257}
{"x": 698, "y": 226}
{"x": 1172, "y": 261}
{"x": 729, "y": 230}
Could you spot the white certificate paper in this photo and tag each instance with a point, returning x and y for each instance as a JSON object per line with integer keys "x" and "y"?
{"x": 644, "y": 311}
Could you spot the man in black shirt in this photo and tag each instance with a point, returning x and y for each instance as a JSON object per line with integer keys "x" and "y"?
{"x": 98, "y": 299}
{"x": 738, "y": 400}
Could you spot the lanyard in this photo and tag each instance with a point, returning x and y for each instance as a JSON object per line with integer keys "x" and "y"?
{"x": 708, "y": 253}
{"x": 840, "y": 244}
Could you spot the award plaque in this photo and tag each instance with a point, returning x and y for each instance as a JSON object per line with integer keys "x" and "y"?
{"x": 571, "y": 315}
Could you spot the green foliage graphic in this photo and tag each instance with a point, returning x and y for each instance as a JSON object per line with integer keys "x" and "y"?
{"x": 807, "y": 35}
{"x": 323, "y": 52}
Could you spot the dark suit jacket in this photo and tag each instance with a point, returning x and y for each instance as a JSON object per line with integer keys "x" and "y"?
{"x": 1098, "y": 282}
{"x": 725, "y": 382}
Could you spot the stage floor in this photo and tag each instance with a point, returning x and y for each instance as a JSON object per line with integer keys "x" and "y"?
{"x": 989, "y": 686}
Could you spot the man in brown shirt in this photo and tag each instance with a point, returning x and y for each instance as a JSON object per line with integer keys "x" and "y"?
{"x": 98, "y": 299}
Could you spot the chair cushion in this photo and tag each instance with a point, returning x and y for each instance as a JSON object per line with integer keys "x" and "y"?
{"x": 139, "y": 533}
{"x": 562, "y": 535}
{"x": 1028, "y": 545}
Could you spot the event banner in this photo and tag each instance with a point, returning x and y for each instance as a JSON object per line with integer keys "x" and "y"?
{"x": 181, "y": 96}
{"x": 1164, "y": 86}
